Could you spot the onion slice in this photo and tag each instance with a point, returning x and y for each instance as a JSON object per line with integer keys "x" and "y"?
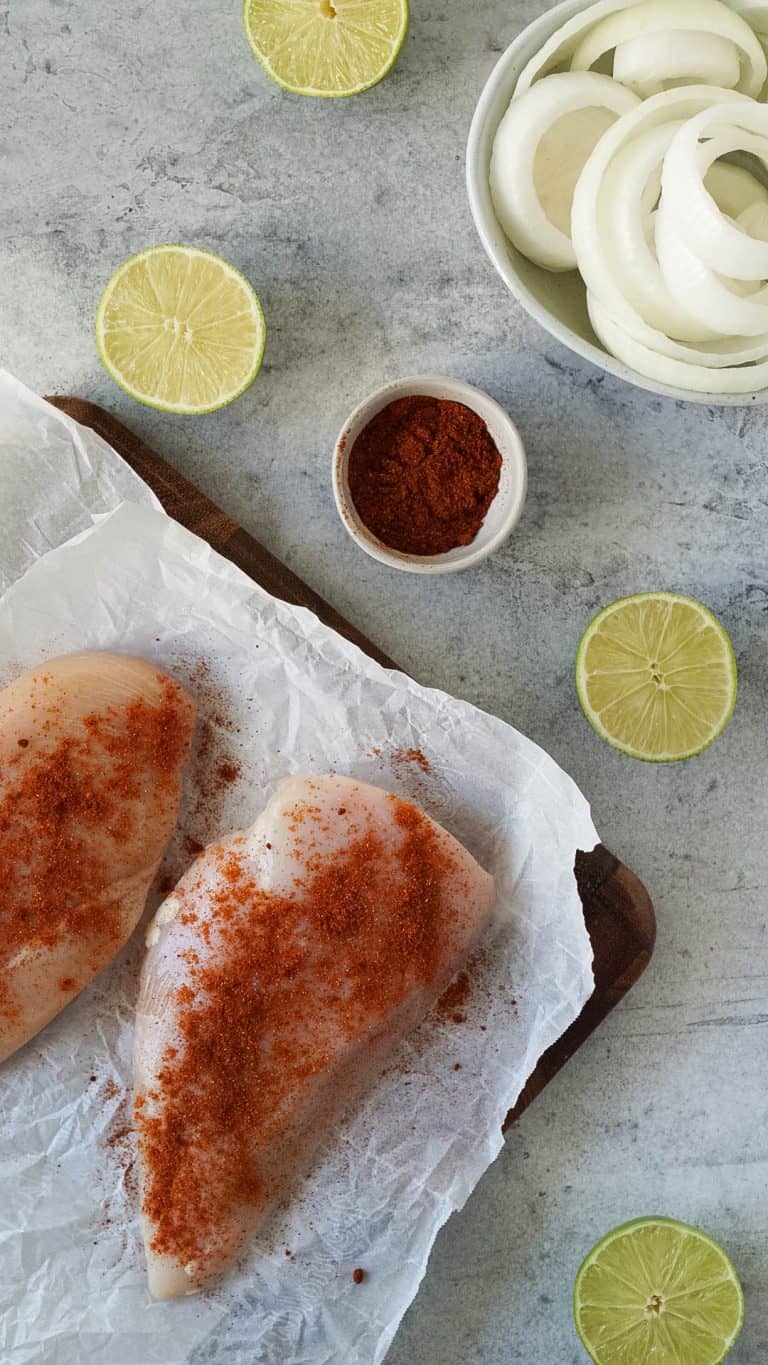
{"x": 734, "y": 189}
{"x": 601, "y": 277}
{"x": 755, "y": 12}
{"x": 718, "y": 353}
{"x": 670, "y": 239}
{"x": 754, "y": 220}
{"x": 513, "y": 170}
{"x": 661, "y": 16}
{"x": 702, "y": 292}
{"x": 663, "y": 369}
{"x": 632, "y": 178}
{"x": 649, "y": 62}
{"x": 560, "y": 47}
{"x": 686, "y": 201}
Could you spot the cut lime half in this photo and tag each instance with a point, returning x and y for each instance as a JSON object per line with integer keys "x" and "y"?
{"x": 656, "y": 1292}
{"x": 656, "y": 676}
{"x": 180, "y": 329}
{"x": 326, "y": 47}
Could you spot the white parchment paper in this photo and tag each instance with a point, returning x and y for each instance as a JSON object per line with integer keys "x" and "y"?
{"x": 279, "y": 694}
{"x": 54, "y": 476}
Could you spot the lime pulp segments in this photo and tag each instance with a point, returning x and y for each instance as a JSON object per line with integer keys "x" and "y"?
{"x": 329, "y": 48}
{"x": 656, "y": 676}
{"x": 656, "y": 1292}
{"x": 180, "y": 329}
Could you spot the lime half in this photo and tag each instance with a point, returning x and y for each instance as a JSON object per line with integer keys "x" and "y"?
{"x": 656, "y": 1292}
{"x": 326, "y": 47}
{"x": 180, "y": 329}
{"x": 656, "y": 676}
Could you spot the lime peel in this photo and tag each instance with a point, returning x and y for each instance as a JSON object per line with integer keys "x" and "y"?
{"x": 656, "y": 676}
{"x": 329, "y": 49}
{"x": 662, "y": 1288}
{"x": 180, "y": 329}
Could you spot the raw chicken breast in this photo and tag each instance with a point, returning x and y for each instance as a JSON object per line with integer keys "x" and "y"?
{"x": 92, "y": 750}
{"x": 281, "y": 973}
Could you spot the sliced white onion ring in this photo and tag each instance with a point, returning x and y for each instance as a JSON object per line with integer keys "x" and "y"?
{"x": 662, "y": 16}
{"x": 718, "y": 354}
{"x": 719, "y": 243}
{"x": 672, "y": 242}
{"x": 727, "y": 141}
{"x": 702, "y": 292}
{"x": 560, "y": 47}
{"x": 698, "y": 378}
{"x": 670, "y": 106}
{"x": 514, "y": 171}
{"x": 632, "y": 177}
{"x": 754, "y": 220}
{"x": 746, "y": 211}
{"x": 755, "y": 12}
{"x": 651, "y": 61}
{"x": 734, "y": 189}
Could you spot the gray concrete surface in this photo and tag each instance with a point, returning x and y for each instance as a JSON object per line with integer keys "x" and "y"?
{"x": 127, "y": 123}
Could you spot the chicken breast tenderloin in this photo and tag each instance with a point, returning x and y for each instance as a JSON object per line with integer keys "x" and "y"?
{"x": 281, "y": 974}
{"x": 92, "y": 751}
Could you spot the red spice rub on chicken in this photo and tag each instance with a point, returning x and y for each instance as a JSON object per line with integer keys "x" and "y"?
{"x": 92, "y": 750}
{"x": 281, "y": 973}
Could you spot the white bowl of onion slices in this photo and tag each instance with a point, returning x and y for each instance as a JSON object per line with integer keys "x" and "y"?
{"x": 617, "y": 170}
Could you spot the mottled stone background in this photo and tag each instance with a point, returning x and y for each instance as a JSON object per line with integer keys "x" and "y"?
{"x": 123, "y": 123}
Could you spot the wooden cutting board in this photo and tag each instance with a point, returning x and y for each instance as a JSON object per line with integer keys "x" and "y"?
{"x": 618, "y": 912}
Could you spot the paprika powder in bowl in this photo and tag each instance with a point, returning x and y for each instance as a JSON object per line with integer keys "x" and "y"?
{"x": 429, "y": 475}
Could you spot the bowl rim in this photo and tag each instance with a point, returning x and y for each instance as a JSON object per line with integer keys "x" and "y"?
{"x": 458, "y": 390}
{"x": 477, "y": 185}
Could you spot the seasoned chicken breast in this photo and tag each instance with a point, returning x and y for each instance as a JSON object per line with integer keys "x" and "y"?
{"x": 92, "y": 751}
{"x": 281, "y": 973}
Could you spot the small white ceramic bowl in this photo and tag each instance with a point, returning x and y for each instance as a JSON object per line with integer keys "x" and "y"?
{"x": 503, "y": 513}
{"x": 556, "y": 301}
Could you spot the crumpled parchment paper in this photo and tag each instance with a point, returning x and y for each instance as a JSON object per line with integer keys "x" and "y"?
{"x": 54, "y": 477}
{"x": 278, "y": 693}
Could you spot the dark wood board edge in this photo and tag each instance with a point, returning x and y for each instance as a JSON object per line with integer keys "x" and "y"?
{"x": 618, "y": 911}
{"x": 187, "y": 505}
{"x": 621, "y": 923}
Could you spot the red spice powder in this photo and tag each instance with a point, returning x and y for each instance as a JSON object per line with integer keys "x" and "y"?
{"x": 119, "y": 1142}
{"x": 119, "y": 1135}
{"x": 155, "y": 735}
{"x": 423, "y": 473}
{"x": 215, "y": 768}
{"x": 411, "y": 758}
{"x": 69, "y": 809}
{"x": 363, "y": 931}
{"x": 455, "y": 996}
